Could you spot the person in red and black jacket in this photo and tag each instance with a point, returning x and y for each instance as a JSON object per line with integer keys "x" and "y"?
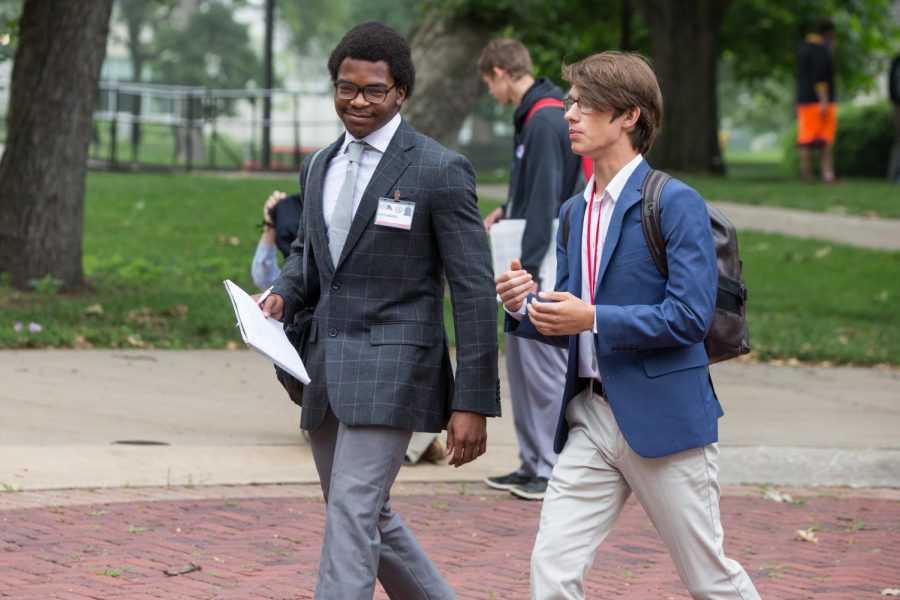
{"x": 544, "y": 174}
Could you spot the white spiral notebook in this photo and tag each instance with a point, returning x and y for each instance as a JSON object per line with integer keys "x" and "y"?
{"x": 265, "y": 335}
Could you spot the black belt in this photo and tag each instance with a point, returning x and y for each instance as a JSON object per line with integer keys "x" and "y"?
{"x": 596, "y": 387}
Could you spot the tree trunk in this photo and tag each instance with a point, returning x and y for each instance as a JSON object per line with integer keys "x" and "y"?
{"x": 685, "y": 48}
{"x": 135, "y": 23}
{"x": 42, "y": 173}
{"x": 445, "y": 52}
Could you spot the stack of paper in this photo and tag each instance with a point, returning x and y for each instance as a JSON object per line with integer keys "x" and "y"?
{"x": 265, "y": 335}
{"x": 506, "y": 245}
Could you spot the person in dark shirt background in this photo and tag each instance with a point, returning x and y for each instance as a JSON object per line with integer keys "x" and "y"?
{"x": 894, "y": 91}
{"x": 816, "y": 108}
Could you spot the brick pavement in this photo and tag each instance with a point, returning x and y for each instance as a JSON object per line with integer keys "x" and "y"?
{"x": 263, "y": 543}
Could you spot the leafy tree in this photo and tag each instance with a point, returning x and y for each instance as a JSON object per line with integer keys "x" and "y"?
{"x": 137, "y": 15}
{"x": 685, "y": 43}
{"x": 9, "y": 28}
{"x": 685, "y": 40}
{"x": 761, "y": 37}
{"x": 317, "y": 25}
{"x": 212, "y": 50}
{"x": 452, "y": 33}
{"x": 54, "y": 85}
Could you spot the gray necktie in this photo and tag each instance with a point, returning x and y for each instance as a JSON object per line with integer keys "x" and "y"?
{"x": 342, "y": 215}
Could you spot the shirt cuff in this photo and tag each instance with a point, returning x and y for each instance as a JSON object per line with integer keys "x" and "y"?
{"x": 517, "y": 315}
{"x": 264, "y": 268}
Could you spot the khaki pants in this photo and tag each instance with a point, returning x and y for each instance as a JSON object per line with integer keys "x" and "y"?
{"x": 596, "y": 473}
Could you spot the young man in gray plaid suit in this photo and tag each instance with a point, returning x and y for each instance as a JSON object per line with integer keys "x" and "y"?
{"x": 388, "y": 220}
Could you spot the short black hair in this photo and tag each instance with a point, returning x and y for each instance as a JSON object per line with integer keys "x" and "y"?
{"x": 374, "y": 41}
{"x": 824, "y": 25}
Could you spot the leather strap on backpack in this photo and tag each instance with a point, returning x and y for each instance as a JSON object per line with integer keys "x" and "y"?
{"x": 651, "y": 190}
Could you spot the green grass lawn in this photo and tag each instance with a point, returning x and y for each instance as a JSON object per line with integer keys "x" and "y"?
{"x": 157, "y": 247}
{"x": 759, "y": 179}
{"x": 817, "y": 301}
{"x": 157, "y": 147}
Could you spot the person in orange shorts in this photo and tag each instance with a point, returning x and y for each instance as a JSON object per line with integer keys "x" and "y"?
{"x": 816, "y": 108}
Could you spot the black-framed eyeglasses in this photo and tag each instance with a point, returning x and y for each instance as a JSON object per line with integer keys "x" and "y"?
{"x": 569, "y": 102}
{"x": 372, "y": 93}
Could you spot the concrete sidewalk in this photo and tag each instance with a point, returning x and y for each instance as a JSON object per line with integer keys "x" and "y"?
{"x": 875, "y": 234}
{"x": 151, "y": 475}
{"x": 109, "y": 418}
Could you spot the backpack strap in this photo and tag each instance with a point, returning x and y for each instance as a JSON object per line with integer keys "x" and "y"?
{"x": 542, "y": 103}
{"x": 587, "y": 165}
{"x": 651, "y": 190}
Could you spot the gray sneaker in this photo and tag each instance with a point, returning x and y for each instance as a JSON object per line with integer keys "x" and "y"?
{"x": 507, "y": 482}
{"x": 533, "y": 490}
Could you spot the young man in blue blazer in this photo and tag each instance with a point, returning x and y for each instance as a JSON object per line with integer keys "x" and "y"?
{"x": 639, "y": 413}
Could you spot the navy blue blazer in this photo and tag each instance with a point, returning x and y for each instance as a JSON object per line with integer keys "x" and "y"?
{"x": 650, "y": 330}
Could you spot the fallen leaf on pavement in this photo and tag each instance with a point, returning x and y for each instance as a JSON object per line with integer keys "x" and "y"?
{"x": 776, "y": 496}
{"x": 806, "y": 535}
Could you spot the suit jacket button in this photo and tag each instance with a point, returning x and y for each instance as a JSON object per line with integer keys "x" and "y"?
{"x": 335, "y": 285}
{"x": 332, "y": 332}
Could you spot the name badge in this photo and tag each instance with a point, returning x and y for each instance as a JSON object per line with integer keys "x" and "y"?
{"x": 395, "y": 213}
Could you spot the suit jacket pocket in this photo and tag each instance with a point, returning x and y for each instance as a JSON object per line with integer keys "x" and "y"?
{"x": 676, "y": 359}
{"x": 413, "y": 333}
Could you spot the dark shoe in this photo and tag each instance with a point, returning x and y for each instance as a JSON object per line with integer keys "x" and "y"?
{"x": 533, "y": 490}
{"x": 507, "y": 482}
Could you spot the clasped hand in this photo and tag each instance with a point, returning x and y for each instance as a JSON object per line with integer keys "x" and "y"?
{"x": 561, "y": 313}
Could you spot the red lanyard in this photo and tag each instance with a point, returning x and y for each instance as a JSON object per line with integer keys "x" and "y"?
{"x": 592, "y": 251}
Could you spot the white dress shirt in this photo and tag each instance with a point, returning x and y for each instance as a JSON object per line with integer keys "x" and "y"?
{"x": 587, "y": 357}
{"x": 378, "y": 142}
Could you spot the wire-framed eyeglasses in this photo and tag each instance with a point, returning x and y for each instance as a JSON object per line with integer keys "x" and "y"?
{"x": 569, "y": 102}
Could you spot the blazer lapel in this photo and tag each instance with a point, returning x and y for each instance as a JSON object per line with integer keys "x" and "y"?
{"x": 631, "y": 194}
{"x": 314, "y": 197}
{"x": 386, "y": 174}
{"x": 573, "y": 246}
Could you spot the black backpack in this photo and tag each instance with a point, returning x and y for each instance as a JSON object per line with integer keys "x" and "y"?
{"x": 728, "y": 336}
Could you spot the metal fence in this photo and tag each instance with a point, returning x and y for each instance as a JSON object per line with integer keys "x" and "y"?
{"x": 177, "y": 127}
{"x": 164, "y": 127}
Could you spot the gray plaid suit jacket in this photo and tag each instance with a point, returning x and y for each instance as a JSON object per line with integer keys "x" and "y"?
{"x": 378, "y": 351}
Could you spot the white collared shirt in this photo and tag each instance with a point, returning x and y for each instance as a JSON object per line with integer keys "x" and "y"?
{"x": 587, "y": 357}
{"x": 378, "y": 141}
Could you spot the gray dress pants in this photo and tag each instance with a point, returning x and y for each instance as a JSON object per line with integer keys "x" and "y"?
{"x": 537, "y": 376}
{"x": 364, "y": 537}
